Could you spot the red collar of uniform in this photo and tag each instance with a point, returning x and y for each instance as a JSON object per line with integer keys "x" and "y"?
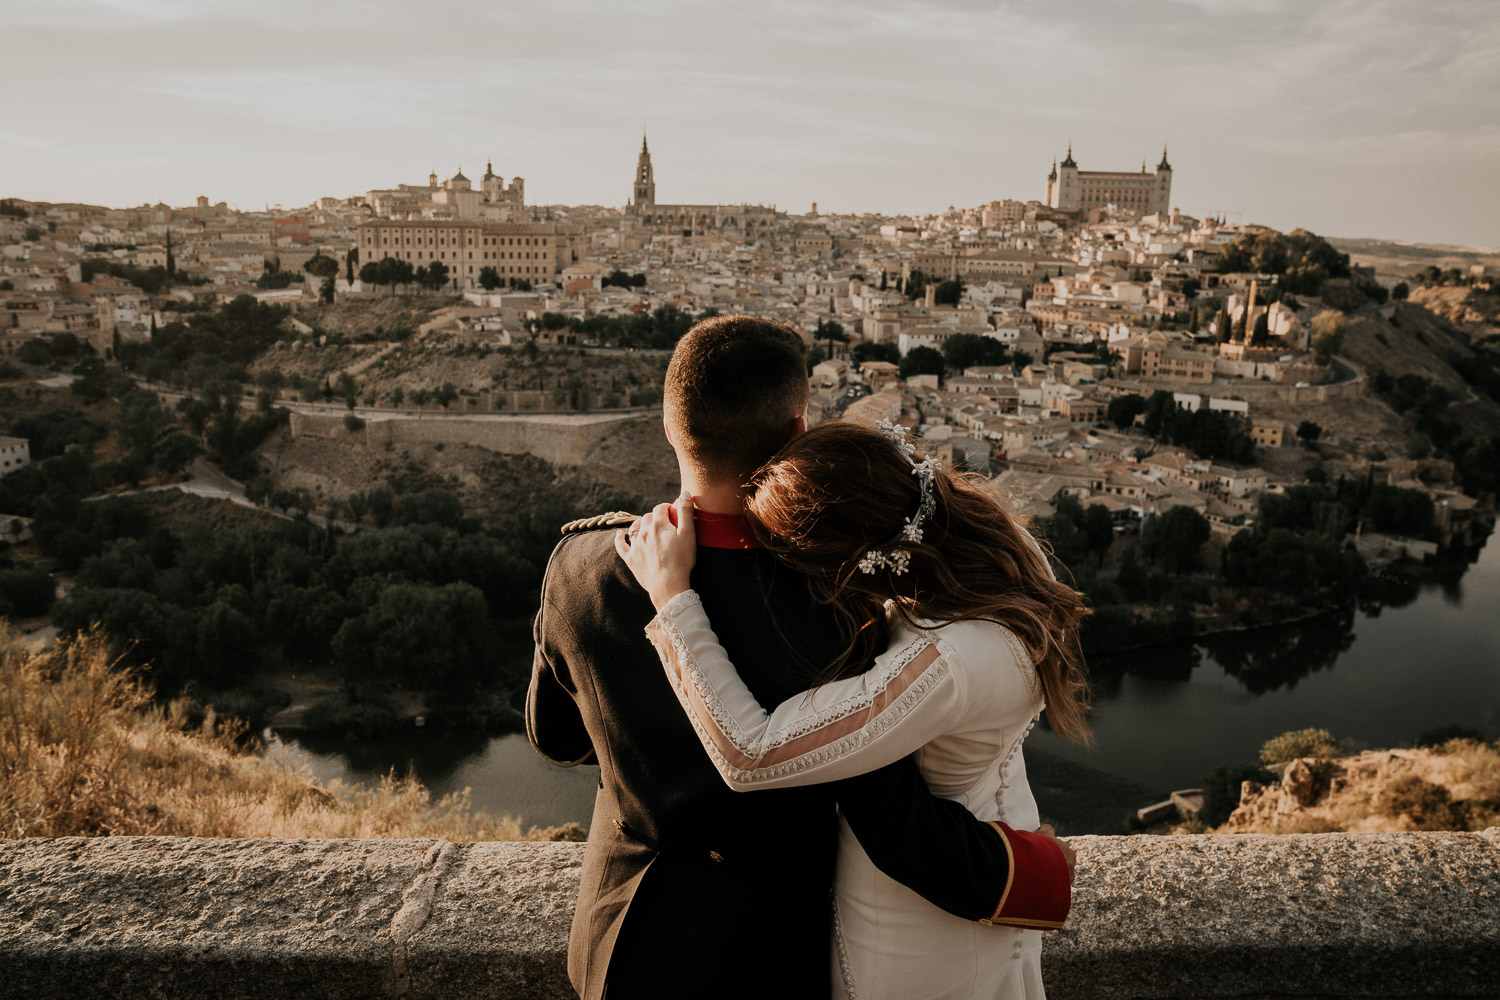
{"x": 722, "y": 531}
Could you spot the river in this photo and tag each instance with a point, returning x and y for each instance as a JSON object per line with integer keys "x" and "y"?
{"x": 1163, "y": 719}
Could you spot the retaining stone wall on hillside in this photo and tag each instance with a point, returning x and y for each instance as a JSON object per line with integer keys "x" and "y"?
{"x": 1253, "y": 391}
{"x": 1330, "y": 915}
{"x": 561, "y": 440}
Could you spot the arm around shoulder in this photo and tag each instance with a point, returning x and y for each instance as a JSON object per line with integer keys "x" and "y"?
{"x": 837, "y": 730}
{"x": 985, "y": 872}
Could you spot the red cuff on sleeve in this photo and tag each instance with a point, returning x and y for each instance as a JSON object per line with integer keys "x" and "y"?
{"x": 1039, "y": 889}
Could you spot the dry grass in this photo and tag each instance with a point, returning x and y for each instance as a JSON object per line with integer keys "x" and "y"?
{"x": 84, "y": 751}
{"x": 1455, "y": 786}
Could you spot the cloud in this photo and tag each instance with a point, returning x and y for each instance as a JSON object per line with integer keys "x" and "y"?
{"x": 27, "y": 142}
{"x": 878, "y": 105}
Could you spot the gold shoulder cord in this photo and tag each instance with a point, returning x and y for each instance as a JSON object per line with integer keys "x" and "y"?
{"x": 614, "y": 519}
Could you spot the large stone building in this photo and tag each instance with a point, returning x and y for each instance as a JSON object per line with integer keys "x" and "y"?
{"x": 1072, "y": 190}
{"x": 454, "y": 198}
{"x": 518, "y": 251}
{"x": 738, "y": 221}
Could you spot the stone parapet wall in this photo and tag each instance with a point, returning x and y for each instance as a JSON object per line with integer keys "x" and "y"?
{"x": 1330, "y": 915}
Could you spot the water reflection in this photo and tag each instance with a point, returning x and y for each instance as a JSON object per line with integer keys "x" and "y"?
{"x": 434, "y": 755}
{"x": 1173, "y": 661}
{"x": 1387, "y": 590}
{"x": 1278, "y": 657}
{"x": 1164, "y": 718}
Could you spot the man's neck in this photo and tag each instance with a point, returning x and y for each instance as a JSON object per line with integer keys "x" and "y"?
{"x": 715, "y": 498}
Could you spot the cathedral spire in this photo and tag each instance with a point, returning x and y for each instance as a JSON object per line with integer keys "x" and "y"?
{"x": 643, "y": 191}
{"x": 1164, "y": 165}
{"x": 1069, "y": 162}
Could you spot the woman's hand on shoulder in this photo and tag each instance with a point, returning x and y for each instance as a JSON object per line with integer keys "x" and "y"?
{"x": 661, "y": 554}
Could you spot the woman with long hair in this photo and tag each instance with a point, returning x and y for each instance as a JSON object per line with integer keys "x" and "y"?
{"x": 970, "y": 636}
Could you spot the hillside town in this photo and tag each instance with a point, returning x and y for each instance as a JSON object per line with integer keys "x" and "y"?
{"x": 1021, "y": 339}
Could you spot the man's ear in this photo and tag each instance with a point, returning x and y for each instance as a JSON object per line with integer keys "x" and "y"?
{"x": 797, "y": 426}
{"x": 668, "y": 428}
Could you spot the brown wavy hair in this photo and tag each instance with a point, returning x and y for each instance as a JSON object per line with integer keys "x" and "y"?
{"x": 832, "y": 494}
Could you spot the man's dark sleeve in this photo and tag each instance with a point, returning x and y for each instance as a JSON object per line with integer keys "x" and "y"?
{"x": 944, "y": 853}
{"x": 553, "y": 723}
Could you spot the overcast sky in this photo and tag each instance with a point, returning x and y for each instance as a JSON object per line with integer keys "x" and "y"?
{"x": 1348, "y": 117}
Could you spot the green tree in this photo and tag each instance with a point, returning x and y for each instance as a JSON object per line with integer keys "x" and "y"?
{"x": 1223, "y": 325}
{"x": 1124, "y": 409}
{"x": 830, "y": 330}
{"x": 321, "y": 266}
{"x": 446, "y": 395}
{"x": 1064, "y": 532}
{"x": 26, "y": 592}
{"x": 949, "y": 293}
{"x": 916, "y": 286}
{"x": 489, "y": 279}
{"x": 1400, "y": 291}
{"x": 1098, "y": 530}
{"x": 923, "y": 361}
{"x": 867, "y": 350}
{"x": 1308, "y": 432}
{"x": 437, "y": 275}
{"x": 1328, "y": 328}
{"x": 34, "y": 352}
{"x": 968, "y": 350}
{"x": 174, "y": 450}
{"x": 1131, "y": 579}
{"x": 1260, "y": 336}
{"x": 1175, "y": 538}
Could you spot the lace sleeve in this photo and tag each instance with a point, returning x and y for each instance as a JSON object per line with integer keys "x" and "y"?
{"x": 838, "y": 730}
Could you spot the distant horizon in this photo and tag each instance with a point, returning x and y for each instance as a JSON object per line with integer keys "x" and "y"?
{"x": 285, "y": 207}
{"x": 1342, "y": 116}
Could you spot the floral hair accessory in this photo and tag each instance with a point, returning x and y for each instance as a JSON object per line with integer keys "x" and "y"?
{"x": 889, "y": 556}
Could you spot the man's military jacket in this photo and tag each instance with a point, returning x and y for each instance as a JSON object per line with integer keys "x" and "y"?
{"x": 689, "y": 887}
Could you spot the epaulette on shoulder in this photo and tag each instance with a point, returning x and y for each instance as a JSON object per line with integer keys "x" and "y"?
{"x": 614, "y": 519}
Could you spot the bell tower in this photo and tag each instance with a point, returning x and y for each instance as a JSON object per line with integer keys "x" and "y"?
{"x": 645, "y": 179}
{"x": 1161, "y": 194}
{"x": 1068, "y": 194}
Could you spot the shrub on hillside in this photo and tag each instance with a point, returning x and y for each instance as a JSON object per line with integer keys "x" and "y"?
{"x": 1318, "y": 743}
{"x": 86, "y": 752}
{"x": 1429, "y": 806}
{"x": 354, "y": 718}
{"x": 26, "y": 592}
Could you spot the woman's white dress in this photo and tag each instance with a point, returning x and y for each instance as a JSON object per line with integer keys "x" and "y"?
{"x": 963, "y": 697}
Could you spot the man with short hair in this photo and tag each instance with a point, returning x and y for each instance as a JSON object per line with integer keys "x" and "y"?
{"x": 690, "y": 888}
